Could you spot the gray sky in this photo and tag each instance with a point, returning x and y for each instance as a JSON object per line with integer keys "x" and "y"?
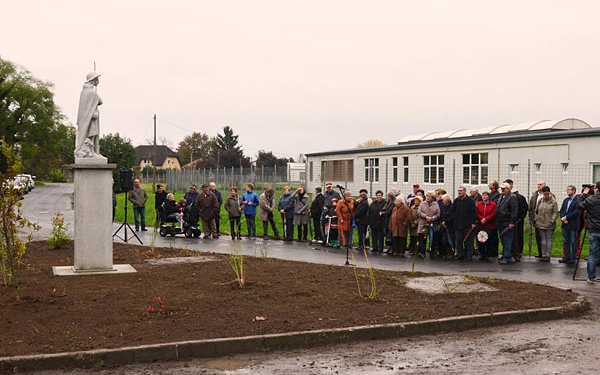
{"x": 296, "y": 76}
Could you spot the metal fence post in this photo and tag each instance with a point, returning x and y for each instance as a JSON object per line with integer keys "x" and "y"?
{"x": 454, "y": 177}
{"x": 528, "y": 176}
{"x": 386, "y": 175}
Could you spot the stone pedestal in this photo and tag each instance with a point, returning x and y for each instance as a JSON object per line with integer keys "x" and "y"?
{"x": 93, "y": 221}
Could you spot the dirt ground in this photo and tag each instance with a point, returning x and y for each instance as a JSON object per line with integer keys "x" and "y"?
{"x": 106, "y": 311}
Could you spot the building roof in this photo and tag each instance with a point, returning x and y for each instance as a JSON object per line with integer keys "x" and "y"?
{"x": 536, "y": 130}
{"x": 146, "y": 152}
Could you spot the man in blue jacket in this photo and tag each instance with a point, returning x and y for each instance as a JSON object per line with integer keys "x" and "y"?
{"x": 250, "y": 201}
{"x": 569, "y": 215}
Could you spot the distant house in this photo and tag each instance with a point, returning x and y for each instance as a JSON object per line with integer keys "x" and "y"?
{"x": 296, "y": 172}
{"x": 165, "y": 157}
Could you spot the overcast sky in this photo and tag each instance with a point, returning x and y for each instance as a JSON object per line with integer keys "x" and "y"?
{"x": 297, "y": 76}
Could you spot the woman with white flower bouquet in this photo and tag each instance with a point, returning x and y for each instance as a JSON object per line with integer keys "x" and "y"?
{"x": 487, "y": 236}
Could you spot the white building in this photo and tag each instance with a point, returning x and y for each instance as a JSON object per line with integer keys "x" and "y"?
{"x": 560, "y": 152}
{"x": 296, "y": 172}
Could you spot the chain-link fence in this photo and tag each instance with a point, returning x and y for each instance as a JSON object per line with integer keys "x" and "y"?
{"x": 225, "y": 178}
{"x": 384, "y": 175}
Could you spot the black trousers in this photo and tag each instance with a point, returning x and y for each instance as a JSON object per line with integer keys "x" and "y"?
{"x": 302, "y": 232}
{"x": 289, "y": 228}
{"x": 517, "y": 248}
{"x": 317, "y": 227}
{"x": 266, "y": 227}
{"x": 398, "y": 245}
{"x": 218, "y": 220}
{"x": 377, "y": 234}
{"x": 234, "y": 225}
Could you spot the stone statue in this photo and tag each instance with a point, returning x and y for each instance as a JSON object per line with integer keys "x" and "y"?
{"x": 88, "y": 121}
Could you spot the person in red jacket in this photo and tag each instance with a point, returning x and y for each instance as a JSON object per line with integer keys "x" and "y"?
{"x": 487, "y": 236}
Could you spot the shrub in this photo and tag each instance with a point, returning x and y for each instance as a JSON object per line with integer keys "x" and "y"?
{"x": 60, "y": 232}
{"x": 56, "y": 176}
{"x": 13, "y": 244}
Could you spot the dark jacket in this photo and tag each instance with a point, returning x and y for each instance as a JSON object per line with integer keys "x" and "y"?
{"x": 286, "y": 203}
{"x": 522, "y": 203}
{"x": 537, "y": 195}
{"x": 170, "y": 207}
{"x": 495, "y": 196}
{"x": 217, "y": 193}
{"x": 233, "y": 205}
{"x": 591, "y": 204}
{"x": 316, "y": 207}
{"x": 190, "y": 201}
{"x": 159, "y": 199}
{"x": 446, "y": 216}
{"x": 328, "y": 197}
{"x": 464, "y": 213}
{"x": 361, "y": 212}
{"x": 508, "y": 209}
{"x": 207, "y": 204}
{"x": 387, "y": 212}
{"x": 377, "y": 221}
{"x": 572, "y": 214}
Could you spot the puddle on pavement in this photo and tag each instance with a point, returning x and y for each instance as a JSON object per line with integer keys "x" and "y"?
{"x": 448, "y": 284}
{"x": 163, "y": 261}
{"x": 227, "y": 364}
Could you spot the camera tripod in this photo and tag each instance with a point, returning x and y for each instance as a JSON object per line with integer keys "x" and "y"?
{"x": 579, "y": 256}
{"x": 126, "y": 225}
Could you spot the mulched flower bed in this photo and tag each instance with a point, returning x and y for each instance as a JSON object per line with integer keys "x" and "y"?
{"x": 57, "y": 314}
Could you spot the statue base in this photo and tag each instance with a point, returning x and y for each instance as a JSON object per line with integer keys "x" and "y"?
{"x": 92, "y": 160}
{"x": 93, "y": 219}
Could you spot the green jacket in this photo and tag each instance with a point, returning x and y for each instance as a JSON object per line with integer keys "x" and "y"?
{"x": 138, "y": 198}
{"x": 546, "y": 213}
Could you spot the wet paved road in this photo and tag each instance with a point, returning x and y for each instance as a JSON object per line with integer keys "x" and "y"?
{"x": 560, "y": 347}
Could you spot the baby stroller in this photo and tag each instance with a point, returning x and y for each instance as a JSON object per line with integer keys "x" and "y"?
{"x": 173, "y": 224}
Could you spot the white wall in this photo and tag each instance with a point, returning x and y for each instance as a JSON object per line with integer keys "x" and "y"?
{"x": 580, "y": 153}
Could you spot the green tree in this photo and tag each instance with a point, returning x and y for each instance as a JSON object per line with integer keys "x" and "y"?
{"x": 197, "y": 146}
{"x": 228, "y": 141}
{"x": 29, "y": 119}
{"x": 267, "y": 159}
{"x": 117, "y": 150}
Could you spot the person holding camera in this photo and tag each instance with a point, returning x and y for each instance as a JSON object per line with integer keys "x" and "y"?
{"x": 591, "y": 204}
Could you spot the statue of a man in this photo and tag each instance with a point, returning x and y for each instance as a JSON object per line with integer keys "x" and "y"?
{"x": 88, "y": 120}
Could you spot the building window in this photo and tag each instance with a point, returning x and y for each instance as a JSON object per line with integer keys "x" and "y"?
{"x": 595, "y": 172}
{"x": 565, "y": 167}
{"x": 310, "y": 170}
{"x": 405, "y": 166}
{"x": 538, "y": 167}
{"x": 475, "y": 168}
{"x": 395, "y": 169}
{"x": 372, "y": 170}
{"x": 337, "y": 170}
{"x": 433, "y": 169}
{"x": 514, "y": 167}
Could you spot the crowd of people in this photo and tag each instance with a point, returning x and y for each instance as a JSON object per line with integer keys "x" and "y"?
{"x": 417, "y": 224}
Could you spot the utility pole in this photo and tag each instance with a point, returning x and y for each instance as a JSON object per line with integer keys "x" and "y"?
{"x": 154, "y": 159}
